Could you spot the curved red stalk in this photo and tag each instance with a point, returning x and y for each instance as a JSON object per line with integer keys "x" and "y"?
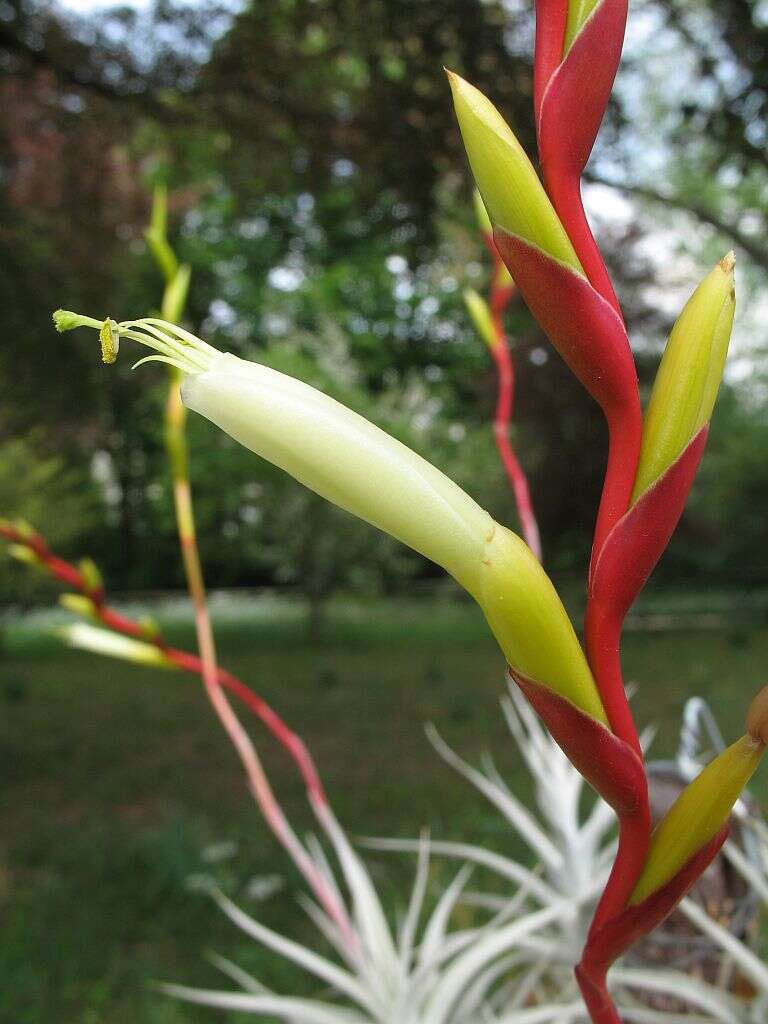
{"x": 500, "y": 296}
{"x": 71, "y": 576}
{"x": 514, "y": 471}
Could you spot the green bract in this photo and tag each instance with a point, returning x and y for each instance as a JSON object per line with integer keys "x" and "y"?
{"x": 513, "y": 195}
{"x": 481, "y": 316}
{"x": 578, "y": 12}
{"x": 689, "y": 376}
{"x": 698, "y": 814}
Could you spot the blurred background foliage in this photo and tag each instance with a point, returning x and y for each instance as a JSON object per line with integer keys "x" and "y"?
{"x": 318, "y": 189}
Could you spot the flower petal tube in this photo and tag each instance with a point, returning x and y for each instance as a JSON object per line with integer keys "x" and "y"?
{"x": 357, "y": 466}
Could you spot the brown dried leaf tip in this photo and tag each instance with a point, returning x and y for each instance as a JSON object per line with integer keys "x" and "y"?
{"x": 757, "y": 717}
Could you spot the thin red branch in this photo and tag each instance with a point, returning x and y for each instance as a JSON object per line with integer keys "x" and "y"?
{"x": 502, "y": 292}
{"x": 73, "y": 579}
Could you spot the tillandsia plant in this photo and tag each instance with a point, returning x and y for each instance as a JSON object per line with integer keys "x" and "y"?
{"x": 488, "y": 318}
{"x": 573, "y": 849}
{"x": 543, "y": 237}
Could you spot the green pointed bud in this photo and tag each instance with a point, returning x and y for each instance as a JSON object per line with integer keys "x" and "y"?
{"x": 24, "y": 554}
{"x": 85, "y": 637}
{"x": 689, "y": 376}
{"x": 66, "y": 320}
{"x": 513, "y": 195}
{"x": 578, "y": 12}
{"x": 483, "y": 220}
{"x": 149, "y": 628}
{"x": 481, "y": 317}
{"x": 91, "y": 575}
{"x": 24, "y": 529}
{"x": 705, "y": 805}
{"x": 78, "y": 604}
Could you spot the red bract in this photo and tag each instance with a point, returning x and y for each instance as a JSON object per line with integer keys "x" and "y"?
{"x": 591, "y": 338}
{"x": 636, "y": 543}
{"x": 624, "y": 563}
{"x": 611, "y": 767}
{"x": 570, "y": 96}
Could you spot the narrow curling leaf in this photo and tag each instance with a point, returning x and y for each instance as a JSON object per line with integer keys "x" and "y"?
{"x": 689, "y": 376}
{"x": 481, "y": 317}
{"x": 704, "y": 806}
{"x": 357, "y": 466}
{"x": 513, "y": 195}
{"x": 85, "y": 637}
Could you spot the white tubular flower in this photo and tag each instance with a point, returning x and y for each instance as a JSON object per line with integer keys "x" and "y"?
{"x": 352, "y": 463}
{"x": 344, "y": 458}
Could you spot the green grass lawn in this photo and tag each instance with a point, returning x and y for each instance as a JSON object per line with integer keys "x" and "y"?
{"x": 117, "y": 783}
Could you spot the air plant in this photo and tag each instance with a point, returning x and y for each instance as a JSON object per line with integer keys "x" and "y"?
{"x": 488, "y": 318}
{"x": 543, "y": 237}
{"x": 572, "y": 852}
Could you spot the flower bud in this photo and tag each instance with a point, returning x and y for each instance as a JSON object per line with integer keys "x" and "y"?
{"x": 514, "y": 197}
{"x": 689, "y": 376}
{"x": 481, "y": 317}
{"x": 85, "y": 637}
{"x": 90, "y": 574}
{"x": 78, "y": 605}
{"x": 698, "y": 814}
{"x": 24, "y": 554}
